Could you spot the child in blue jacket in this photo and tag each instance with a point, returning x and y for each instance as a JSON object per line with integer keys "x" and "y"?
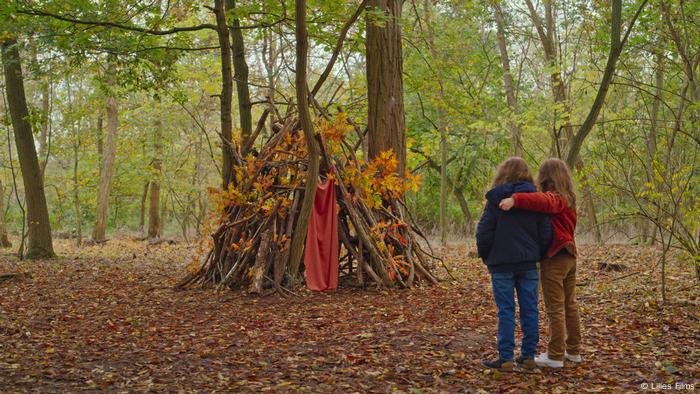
{"x": 510, "y": 244}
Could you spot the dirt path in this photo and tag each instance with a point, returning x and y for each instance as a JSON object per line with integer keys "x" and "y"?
{"x": 114, "y": 324}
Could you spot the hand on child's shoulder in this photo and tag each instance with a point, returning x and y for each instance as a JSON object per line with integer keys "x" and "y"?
{"x": 506, "y": 204}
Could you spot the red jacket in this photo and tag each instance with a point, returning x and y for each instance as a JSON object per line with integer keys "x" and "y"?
{"x": 563, "y": 217}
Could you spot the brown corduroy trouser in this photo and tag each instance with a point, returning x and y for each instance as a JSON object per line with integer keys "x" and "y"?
{"x": 558, "y": 276}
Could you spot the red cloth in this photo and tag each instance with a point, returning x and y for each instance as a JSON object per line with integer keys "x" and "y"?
{"x": 563, "y": 217}
{"x": 321, "y": 254}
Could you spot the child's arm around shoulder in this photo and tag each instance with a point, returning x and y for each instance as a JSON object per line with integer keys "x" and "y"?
{"x": 546, "y": 202}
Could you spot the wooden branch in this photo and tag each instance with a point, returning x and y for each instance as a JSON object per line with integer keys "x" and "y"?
{"x": 338, "y": 47}
{"x": 35, "y": 12}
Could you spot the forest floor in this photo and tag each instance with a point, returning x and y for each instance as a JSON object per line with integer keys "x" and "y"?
{"x": 105, "y": 318}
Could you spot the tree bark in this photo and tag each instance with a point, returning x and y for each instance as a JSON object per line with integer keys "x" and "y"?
{"x": 76, "y": 194}
{"x": 154, "y": 219}
{"x": 100, "y": 139}
{"x": 40, "y": 244}
{"x": 107, "y": 168}
{"x": 511, "y": 100}
{"x": 386, "y": 120}
{"x": 75, "y": 140}
{"x": 240, "y": 69}
{"x": 464, "y": 206}
{"x": 302, "y": 92}
{"x": 44, "y": 89}
{"x": 142, "y": 215}
{"x": 4, "y": 239}
{"x": 45, "y": 123}
{"x": 227, "y": 145}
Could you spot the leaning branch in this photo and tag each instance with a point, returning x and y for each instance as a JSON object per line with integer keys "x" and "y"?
{"x": 174, "y": 30}
{"x": 338, "y": 46}
{"x": 616, "y": 45}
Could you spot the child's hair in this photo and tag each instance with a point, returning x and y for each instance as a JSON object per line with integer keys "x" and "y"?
{"x": 512, "y": 170}
{"x": 555, "y": 176}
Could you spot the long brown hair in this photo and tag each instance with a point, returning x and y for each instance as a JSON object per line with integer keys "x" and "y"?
{"x": 512, "y": 170}
{"x": 555, "y": 177}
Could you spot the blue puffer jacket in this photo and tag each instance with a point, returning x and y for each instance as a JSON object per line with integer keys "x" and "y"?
{"x": 512, "y": 241}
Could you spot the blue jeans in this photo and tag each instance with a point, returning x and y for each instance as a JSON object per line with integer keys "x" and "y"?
{"x": 525, "y": 283}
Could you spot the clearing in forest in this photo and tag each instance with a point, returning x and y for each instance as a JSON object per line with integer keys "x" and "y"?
{"x": 106, "y": 318}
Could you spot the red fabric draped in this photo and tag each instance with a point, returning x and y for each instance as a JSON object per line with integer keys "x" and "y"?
{"x": 321, "y": 254}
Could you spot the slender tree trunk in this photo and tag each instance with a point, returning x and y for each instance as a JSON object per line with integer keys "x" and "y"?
{"x": 299, "y": 237}
{"x": 616, "y": 45}
{"x": 240, "y": 68}
{"x": 75, "y": 139}
{"x": 270, "y": 62}
{"x": 76, "y": 194}
{"x": 154, "y": 219}
{"x": 648, "y": 229}
{"x": 39, "y": 231}
{"x": 464, "y": 206}
{"x": 546, "y": 33}
{"x": 227, "y": 144}
{"x": 440, "y": 123}
{"x": 142, "y": 212}
{"x": 100, "y": 139}
{"x": 4, "y": 240}
{"x": 44, "y": 89}
{"x": 511, "y": 100}
{"x": 107, "y": 168}
{"x": 45, "y": 124}
{"x": 386, "y": 121}
{"x": 163, "y": 211}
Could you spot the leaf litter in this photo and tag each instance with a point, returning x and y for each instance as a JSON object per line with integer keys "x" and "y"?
{"x": 105, "y": 318}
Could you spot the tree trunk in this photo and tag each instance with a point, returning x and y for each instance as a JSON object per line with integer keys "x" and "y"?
{"x": 508, "y": 81}
{"x": 76, "y": 194}
{"x": 163, "y": 212}
{"x": 142, "y": 216}
{"x": 46, "y": 119}
{"x": 299, "y": 237}
{"x": 648, "y": 229}
{"x": 39, "y": 231}
{"x": 386, "y": 121}
{"x": 464, "y": 206}
{"x": 270, "y": 62}
{"x": 546, "y": 33}
{"x": 100, "y": 139}
{"x": 154, "y": 219}
{"x": 4, "y": 240}
{"x": 75, "y": 139}
{"x": 616, "y": 45}
{"x": 227, "y": 145}
{"x": 44, "y": 89}
{"x": 440, "y": 124}
{"x": 107, "y": 168}
{"x": 240, "y": 68}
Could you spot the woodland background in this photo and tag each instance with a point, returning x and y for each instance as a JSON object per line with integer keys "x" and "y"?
{"x": 637, "y": 170}
{"x": 131, "y": 106}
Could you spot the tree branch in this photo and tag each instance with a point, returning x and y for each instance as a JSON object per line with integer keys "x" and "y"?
{"x": 138, "y": 29}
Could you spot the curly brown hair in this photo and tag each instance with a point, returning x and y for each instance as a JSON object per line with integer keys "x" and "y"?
{"x": 555, "y": 177}
{"x": 512, "y": 170}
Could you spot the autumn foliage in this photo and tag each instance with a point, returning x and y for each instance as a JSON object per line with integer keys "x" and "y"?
{"x": 253, "y": 219}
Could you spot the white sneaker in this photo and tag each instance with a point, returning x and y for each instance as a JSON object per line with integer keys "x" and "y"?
{"x": 574, "y": 358}
{"x": 543, "y": 360}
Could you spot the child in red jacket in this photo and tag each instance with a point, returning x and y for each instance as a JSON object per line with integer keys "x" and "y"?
{"x": 558, "y": 272}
